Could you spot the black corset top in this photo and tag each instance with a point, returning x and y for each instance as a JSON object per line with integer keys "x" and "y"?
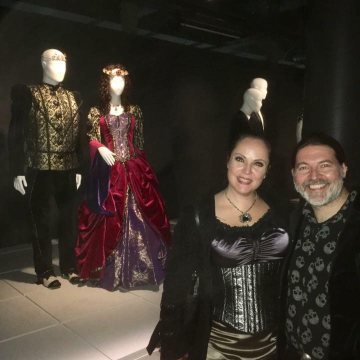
{"x": 264, "y": 241}
{"x": 246, "y": 266}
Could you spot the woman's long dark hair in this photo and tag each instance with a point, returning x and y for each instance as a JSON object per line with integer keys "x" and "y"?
{"x": 105, "y": 97}
{"x": 243, "y": 136}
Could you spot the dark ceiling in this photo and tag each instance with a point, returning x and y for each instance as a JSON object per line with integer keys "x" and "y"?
{"x": 271, "y": 30}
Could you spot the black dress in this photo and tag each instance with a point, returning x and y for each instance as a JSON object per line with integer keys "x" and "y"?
{"x": 212, "y": 250}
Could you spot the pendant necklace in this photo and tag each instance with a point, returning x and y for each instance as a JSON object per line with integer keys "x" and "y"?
{"x": 116, "y": 108}
{"x": 245, "y": 216}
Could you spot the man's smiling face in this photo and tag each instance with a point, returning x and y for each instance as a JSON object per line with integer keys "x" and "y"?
{"x": 318, "y": 176}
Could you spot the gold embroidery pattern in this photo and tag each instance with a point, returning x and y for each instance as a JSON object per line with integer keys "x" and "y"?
{"x": 53, "y": 129}
{"x": 119, "y": 128}
{"x": 142, "y": 274}
{"x": 135, "y": 245}
{"x": 139, "y": 127}
{"x": 120, "y": 258}
{"x": 94, "y": 132}
{"x": 93, "y": 125}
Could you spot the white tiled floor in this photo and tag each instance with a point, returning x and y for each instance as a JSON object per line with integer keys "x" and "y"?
{"x": 73, "y": 322}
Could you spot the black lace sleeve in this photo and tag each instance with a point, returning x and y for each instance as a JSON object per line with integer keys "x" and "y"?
{"x": 20, "y": 108}
{"x": 170, "y": 332}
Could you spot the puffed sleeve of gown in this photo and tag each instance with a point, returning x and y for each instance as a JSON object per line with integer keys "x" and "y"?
{"x": 94, "y": 131}
{"x": 93, "y": 127}
{"x": 139, "y": 127}
{"x": 98, "y": 184}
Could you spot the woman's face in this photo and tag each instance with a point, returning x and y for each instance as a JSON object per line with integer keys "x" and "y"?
{"x": 117, "y": 84}
{"x": 247, "y": 165}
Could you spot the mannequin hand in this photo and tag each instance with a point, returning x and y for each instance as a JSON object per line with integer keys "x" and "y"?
{"x": 20, "y": 184}
{"x": 78, "y": 181}
{"x": 107, "y": 155}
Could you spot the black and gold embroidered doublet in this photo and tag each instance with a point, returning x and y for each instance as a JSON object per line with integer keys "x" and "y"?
{"x": 52, "y": 130}
{"x": 44, "y": 128}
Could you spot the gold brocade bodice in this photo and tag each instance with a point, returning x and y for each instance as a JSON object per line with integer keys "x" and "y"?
{"x": 53, "y": 129}
{"x": 120, "y": 141}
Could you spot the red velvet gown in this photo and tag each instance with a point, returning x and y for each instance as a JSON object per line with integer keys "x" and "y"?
{"x": 123, "y": 231}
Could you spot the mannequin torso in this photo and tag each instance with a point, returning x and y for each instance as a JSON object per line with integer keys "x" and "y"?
{"x": 117, "y": 85}
{"x": 261, "y": 85}
{"x": 246, "y": 120}
{"x": 44, "y": 138}
{"x": 123, "y": 185}
{"x": 54, "y": 68}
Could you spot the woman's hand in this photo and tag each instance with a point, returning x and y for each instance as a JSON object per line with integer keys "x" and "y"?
{"x": 107, "y": 155}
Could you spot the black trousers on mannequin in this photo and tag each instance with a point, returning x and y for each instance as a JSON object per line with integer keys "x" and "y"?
{"x": 42, "y": 185}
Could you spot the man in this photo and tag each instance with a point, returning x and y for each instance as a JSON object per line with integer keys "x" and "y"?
{"x": 321, "y": 289}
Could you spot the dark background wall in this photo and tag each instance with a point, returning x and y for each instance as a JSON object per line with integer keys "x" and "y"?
{"x": 188, "y": 97}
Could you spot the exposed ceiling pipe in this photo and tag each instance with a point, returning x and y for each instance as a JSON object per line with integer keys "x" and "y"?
{"x": 65, "y": 15}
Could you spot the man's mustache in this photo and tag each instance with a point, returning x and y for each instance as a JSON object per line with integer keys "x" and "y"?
{"x": 316, "y": 182}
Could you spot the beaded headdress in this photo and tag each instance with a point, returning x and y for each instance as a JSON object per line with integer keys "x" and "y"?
{"x": 115, "y": 72}
{"x": 56, "y": 57}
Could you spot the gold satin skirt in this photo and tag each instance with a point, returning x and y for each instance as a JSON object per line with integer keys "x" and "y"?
{"x": 229, "y": 344}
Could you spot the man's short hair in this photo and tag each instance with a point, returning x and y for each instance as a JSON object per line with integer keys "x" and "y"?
{"x": 318, "y": 138}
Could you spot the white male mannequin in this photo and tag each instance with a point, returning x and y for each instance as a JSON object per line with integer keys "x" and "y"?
{"x": 252, "y": 102}
{"x": 261, "y": 85}
{"x": 245, "y": 120}
{"x": 53, "y": 74}
{"x": 50, "y": 160}
{"x": 117, "y": 85}
{"x": 299, "y": 126}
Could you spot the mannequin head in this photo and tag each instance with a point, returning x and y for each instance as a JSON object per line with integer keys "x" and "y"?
{"x": 117, "y": 85}
{"x": 114, "y": 83}
{"x": 261, "y": 85}
{"x": 53, "y": 63}
{"x": 252, "y": 101}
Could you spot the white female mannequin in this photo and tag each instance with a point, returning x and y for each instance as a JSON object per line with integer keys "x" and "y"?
{"x": 53, "y": 74}
{"x": 117, "y": 85}
{"x": 122, "y": 222}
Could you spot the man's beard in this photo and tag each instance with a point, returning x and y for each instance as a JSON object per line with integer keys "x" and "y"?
{"x": 332, "y": 193}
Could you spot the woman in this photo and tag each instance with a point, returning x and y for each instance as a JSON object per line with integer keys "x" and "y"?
{"x": 233, "y": 243}
{"x": 124, "y": 232}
